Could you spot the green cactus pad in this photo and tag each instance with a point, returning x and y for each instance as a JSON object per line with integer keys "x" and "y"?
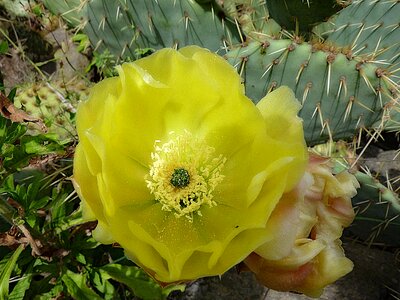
{"x": 15, "y": 8}
{"x": 339, "y": 93}
{"x": 301, "y": 14}
{"x": 371, "y": 29}
{"x": 73, "y": 11}
{"x": 378, "y": 212}
{"x": 252, "y": 17}
{"x": 123, "y": 26}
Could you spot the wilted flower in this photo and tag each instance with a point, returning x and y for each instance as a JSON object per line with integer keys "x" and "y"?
{"x": 305, "y": 254}
{"x": 179, "y": 167}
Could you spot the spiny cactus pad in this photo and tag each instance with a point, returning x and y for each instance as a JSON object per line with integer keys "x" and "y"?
{"x": 123, "y": 26}
{"x": 73, "y": 11}
{"x": 301, "y": 14}
{"x": 378, "y": 212}
{"x": 339, "y": 94}
{"x": 15, "y": 8}
{"x": 252, "y": 16}
{"x": 371, "y": 30}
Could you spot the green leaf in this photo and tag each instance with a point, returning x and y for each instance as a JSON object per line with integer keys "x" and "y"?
{"x": 5, "y": 259}
{"x": 12, "y": 93}
{"x": 101, "y": 283}
{"x": 6, "y": 273}
{"x": 37, "y": 10}
{"x": 136, "y": 279}
{"x": 22, "y": 286}
{"x": 7, "y": 212}
{"x": 10, "y": 132}
{"x": 31, "y": 219}
{"x": 40, "y": 203}
{"x": 7, "y": 149}
{"x": 52, "y": 294}
{"x": 80, "y": 258}
{"x": 41, "y": 144}
{"x": 83, "y": 41}
{"x": 68, "y": 221}
{"x": 77, "y": 286}
{"x": 3, "y": 47}
{"x": 8, "y": 183}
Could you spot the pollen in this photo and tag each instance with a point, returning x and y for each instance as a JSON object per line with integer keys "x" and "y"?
{"x": 184, "y": 174}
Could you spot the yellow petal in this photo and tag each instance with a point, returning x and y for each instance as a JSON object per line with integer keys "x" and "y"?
{"x": 86, "y": 186}
{"x": 200, "y": 60}
{"x": 280, "y": 106}
{"x": 90, "y": 113}
{"x": 118, "y": 172}
{"x": 102, "y": 233}
{"x": 302, "y": 253}
{"x": 279, "y": 110}
{"x": 134, "y": 130}
{"x": 283, "y": 225}
{"x": 219, "y": 239}
{"x": 331, "y": 265}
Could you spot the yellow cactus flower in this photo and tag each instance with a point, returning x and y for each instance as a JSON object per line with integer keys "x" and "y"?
{"x": 179, "y": 167}
{"x": 305, "y": 254}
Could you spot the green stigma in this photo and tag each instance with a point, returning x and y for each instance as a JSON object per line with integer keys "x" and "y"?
{"x": 180, "y": 178}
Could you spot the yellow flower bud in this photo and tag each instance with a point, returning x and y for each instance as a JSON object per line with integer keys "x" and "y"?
{"x": 180, "y": 167}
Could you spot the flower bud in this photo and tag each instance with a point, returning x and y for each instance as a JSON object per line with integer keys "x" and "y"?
{"x": 305, "y": 253}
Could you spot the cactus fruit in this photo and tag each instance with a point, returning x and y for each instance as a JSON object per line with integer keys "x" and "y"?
{"x": 47, "y": 102}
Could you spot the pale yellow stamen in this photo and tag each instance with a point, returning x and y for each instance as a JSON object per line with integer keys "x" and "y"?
{"x": 184, "y": 154}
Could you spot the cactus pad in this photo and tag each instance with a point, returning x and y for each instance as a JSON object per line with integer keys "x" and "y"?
{"x": 378, "y": 212}
{"x": 123, "y": 26}
{"x": 301, "y": 14}
{"x": 339, "y": 93}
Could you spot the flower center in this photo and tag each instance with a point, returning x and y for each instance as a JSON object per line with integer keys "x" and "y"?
{"x": 184, "y": 174}
{"x": 180, "y": 178}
